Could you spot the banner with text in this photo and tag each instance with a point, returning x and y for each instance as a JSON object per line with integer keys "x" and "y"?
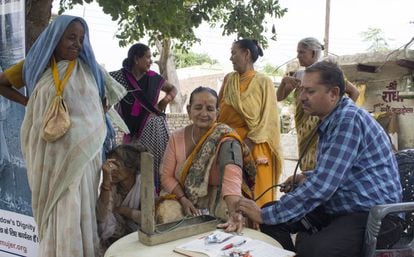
{"x": 18, "y": 234}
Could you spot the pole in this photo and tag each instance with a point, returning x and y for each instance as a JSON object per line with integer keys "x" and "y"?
{"x": 327, "y": 17}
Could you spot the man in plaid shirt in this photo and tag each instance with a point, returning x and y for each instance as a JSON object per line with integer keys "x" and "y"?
{"x": 356, "y": 169}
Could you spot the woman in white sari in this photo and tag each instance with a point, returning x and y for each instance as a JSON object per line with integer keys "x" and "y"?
{"x": 64, "y": 174}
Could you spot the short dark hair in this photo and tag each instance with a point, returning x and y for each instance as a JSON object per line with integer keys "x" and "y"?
{"x": 330, "y": 73}
{"x": 203, "y": 89}
{"x": 129, "y": 155}
{"x": 252, "y": 45}
{"x": 136, "y": 50}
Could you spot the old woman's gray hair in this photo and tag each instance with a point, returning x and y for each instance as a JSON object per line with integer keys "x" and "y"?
{"x": 313, "y": 44}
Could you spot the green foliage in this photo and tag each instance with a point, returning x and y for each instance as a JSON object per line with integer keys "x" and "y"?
{"x": 184, "y": 59}
{"x": 65, "y": 4}
{"x": 270, "y": 69}
{"x": 176, "y": 19}
{"x": 290, "y": 99}
{"x": 376, "y": 37}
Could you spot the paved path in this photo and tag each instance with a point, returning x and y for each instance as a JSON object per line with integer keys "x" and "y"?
{"x": 290, "y": 152}
{"x": 288, "y": 169}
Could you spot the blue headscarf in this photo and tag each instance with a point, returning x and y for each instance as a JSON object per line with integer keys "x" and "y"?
{"x": 42, "y": 50}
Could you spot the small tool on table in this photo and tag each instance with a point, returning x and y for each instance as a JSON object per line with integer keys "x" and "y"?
{"x": 226, "y": 247}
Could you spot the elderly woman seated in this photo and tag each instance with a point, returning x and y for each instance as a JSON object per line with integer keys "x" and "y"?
{"x": 206, "y": 167}
{"x": 118, "y": 208}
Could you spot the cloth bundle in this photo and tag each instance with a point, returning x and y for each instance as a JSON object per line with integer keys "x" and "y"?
{"x": 56, "y": 122}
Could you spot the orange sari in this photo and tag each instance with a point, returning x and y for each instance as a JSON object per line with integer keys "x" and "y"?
{"x": 267, "y": 174}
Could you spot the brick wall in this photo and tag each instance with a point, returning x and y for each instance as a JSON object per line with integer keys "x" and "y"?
{"x": 177, "y": 120}
{"x": 174, "y": 121}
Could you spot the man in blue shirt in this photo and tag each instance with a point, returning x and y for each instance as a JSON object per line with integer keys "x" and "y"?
{"x": 356, "y": 169}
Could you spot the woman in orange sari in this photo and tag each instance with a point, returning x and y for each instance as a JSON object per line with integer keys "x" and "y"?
{"x": 206, "y": 166}
{"x": 248, "y": 104}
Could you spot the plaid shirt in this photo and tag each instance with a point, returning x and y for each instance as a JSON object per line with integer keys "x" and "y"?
{"x": 356, "y": 169}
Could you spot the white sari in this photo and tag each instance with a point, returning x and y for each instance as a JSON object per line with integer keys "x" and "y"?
{"x": 64, "y": 175}
{"x": 113, "y": 225}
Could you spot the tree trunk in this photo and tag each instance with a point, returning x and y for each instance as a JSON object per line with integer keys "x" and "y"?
{"x": 38, "y": 14}
{"x": 168, "y": 71}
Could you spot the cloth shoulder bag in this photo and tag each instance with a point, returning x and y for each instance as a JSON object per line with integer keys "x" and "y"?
{"x": 56, "y": 121}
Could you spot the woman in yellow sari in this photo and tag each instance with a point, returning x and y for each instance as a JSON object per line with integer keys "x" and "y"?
{"x": 206, "y": 165}
{"x": 248, "y": 105}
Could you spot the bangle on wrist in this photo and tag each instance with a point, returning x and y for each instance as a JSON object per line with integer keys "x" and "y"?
{"x": 179, "y": 197}
{"x": 106, "y": 187}
{"x": 169, "y": 98}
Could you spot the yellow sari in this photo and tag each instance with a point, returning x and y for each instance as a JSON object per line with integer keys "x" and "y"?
{"x": 248, "y": 104}
{"x": 305, "y": 125}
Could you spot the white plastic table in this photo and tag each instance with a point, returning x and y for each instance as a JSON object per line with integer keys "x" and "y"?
{"x": 129, "y": 245}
